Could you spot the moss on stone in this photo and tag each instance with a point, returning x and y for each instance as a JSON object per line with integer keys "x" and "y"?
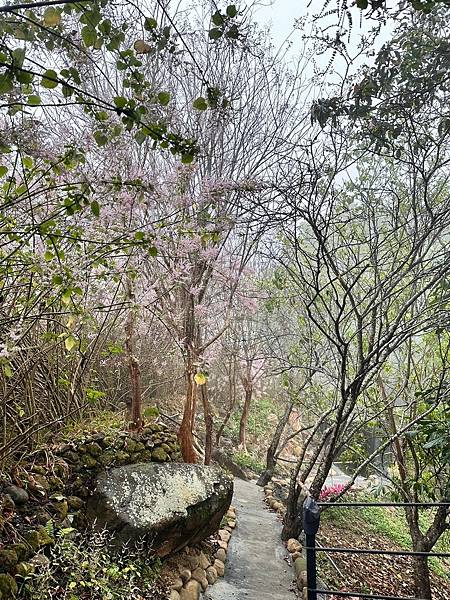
{"x": 8, "y": 586}
{"x": 40, "y": 482}
{"x": 8, "y": 559}
{"x": 130, "y": 445}
{"x": 56, "y": 483}
{"x": 21, "y": 550}
{"x": 61, "y": 508}
{"x": 32, "y": 539}
{"x": 107, "y": 458}
{"x": 75, "y": 503}
{"x": 71, "y": 457}
{"x": 94, "y": 449}
{"x": 89, "y": 461}
{"x": 160, "y": 455}
{"x": 38, "y": 469}
{"x": 122, "y": 457}
{"x": 146, "y": 456}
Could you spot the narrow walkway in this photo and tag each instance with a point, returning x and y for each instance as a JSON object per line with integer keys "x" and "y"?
{"x": 255, "y": 569}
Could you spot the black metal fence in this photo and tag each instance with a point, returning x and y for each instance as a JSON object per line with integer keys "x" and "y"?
{"x": 311, "y": 524}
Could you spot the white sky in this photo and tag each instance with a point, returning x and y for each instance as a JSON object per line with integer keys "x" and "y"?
{"x": 280, "y": 16}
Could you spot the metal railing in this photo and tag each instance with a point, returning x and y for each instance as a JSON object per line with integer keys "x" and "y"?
{"x": 311, "y": 524}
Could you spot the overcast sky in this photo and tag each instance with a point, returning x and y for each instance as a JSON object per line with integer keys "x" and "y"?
{"x": 280, "y": 16}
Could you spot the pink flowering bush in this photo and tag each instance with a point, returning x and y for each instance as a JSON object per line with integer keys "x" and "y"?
{"x": 329, "y": 493}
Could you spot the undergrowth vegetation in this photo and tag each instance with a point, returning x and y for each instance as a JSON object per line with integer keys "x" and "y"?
{"x": 85, "y": 566}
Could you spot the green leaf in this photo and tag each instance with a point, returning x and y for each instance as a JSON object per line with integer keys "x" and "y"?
{"x": 215, "y": 33}
{"x": 88, "y": 35}
{"x": 95, "y": 208}
{"x": 101, "y": 115}
{"x": 200, "y": 378}
{"x": 52, "y": 17}
{"x": 362, "y": 4}
{"x": 200, "y": 103}
{"x": 218, "y": 19}
{"x": 231, "y": 11}
{"x": 34, "y": 100}
{"x": 27, "y": 162}
{"x": 18, "y": 57}
{"x": 164, "y": 98}
{"x": 100, "y": 138}
{"x": 140, "y": 136}
{"x": 48, "y": 256}
{"x": 153, "y": 251}
{"x": 6, "y": 83}
{"x": 186, "y": 158}
{"x": 48, "y": 79}
{"x": 233, "y": 32}
{"x": 3, "y": 170}
{"x": 57, "y": 279}
{"x": 120, "y": 101}
{"x": 24, "y": 77}
{"x": 150, "y": 23}
{"x": 139, "y": 235}
{"x": 66, "y": 297}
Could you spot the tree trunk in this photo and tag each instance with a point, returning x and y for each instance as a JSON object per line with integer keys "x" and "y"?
{"x": 244, "y": 417}
{"x": 293, "y": 519}
{"x": 231, "y": 400}
{"x": 292, "y": 522}
{"x": 191, "y": 339}
{"x": 208, "y": 424}
{"x": 420, "y": 543}
{"x": 271, "y": 462}
{"x": 135, "y": 419}
{"x": 185, "y": 435}
{"x": 422, "y": 578}
{"x": 224, "y": 424}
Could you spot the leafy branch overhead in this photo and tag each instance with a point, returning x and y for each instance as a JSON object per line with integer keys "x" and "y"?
{"x": 75, "y": 31}
{"x": 225, "y": 24}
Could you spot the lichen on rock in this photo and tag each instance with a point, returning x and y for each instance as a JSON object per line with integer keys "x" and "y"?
{"x": 170, "y": 504}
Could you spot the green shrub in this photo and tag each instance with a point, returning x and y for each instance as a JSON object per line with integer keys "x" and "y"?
{"x": 249, "y": 461}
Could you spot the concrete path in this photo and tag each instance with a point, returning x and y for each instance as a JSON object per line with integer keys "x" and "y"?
{"x": 255, "y": 569}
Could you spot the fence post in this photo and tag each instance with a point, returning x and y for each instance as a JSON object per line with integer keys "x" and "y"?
{"x": 311, "y": 522}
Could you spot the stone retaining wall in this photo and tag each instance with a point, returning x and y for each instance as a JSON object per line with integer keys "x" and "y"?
{"x": 38, "y": 497}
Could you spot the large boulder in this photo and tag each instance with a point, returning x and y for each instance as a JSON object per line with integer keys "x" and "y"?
{"x": 169, "y": 505}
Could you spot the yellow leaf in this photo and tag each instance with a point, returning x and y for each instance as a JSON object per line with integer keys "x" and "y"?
{"x": 200, "y": 379}
{"x": 65, "y": 298}
{"x": 7, "y": 370}
{"x": 70, "y": 343}
{"x": 52, "y": 17}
